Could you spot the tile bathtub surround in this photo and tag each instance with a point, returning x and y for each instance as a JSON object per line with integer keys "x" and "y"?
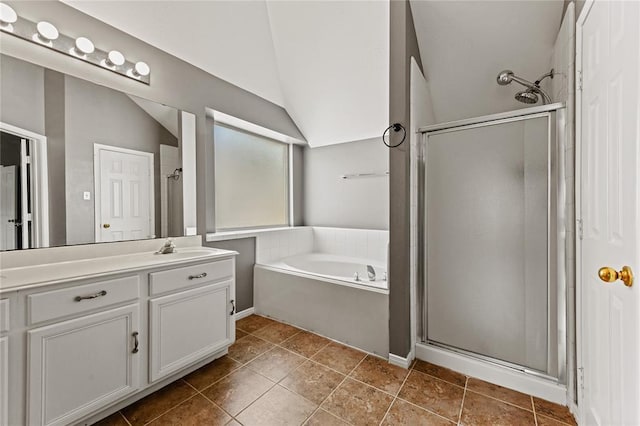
{"x": 314, "y": 381}
{"x": 363, "y": 243}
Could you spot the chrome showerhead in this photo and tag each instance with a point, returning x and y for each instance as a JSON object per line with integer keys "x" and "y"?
{"x": 527, "y": 96}
{"x": 505, "y": 77}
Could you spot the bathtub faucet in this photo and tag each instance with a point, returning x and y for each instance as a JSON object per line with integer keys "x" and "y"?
{"x": 371, "y": 273}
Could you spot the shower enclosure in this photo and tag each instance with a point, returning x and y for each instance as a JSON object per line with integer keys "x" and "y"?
{"x": 491, "y": 191}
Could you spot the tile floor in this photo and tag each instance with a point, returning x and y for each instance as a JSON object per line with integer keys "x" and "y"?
{"x": 276, "y": 374}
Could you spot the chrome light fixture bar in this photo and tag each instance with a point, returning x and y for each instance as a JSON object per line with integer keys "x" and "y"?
{"x": 46, "y": 34}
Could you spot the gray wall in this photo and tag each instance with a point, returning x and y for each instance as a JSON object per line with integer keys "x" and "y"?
{"x": 22, "y": 100}
{"x": 173, "y": 82}
{"x": 347, "y": 203}
{"x": 97, "y": 114}
{"x": 54, "y": 105}
{"x": 246, "y": 247}
{"x": 403, "y": 45}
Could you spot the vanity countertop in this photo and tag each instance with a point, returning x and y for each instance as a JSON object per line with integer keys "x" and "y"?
{"x": 27, "y": 277}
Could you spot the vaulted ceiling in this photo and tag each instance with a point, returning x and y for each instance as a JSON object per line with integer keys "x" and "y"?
{"x": 465, "y": 44}
{"x": 325, "y": 62}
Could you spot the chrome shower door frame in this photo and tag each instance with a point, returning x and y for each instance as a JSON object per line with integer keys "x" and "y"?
{"x": 556, "y": 235}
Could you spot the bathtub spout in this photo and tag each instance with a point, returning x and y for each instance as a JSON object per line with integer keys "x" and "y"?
{"x": 371, "y": 272}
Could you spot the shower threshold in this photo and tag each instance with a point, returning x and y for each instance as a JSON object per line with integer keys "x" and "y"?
{"x": 493, "y": 361}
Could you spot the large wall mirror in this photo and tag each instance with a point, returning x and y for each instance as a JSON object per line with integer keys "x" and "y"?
{"x": 82, "y": 163}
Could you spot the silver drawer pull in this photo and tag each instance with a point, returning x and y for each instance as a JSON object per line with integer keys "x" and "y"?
{"x": 91, "y": 296}
{"x": 195, "y": 277}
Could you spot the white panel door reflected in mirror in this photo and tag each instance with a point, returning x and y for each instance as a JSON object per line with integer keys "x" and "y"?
{"x": 70, "y": 194}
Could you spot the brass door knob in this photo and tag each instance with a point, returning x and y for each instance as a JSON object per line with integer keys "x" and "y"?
{"x": 106, "y": 225}
{"x": 610, "y": 275}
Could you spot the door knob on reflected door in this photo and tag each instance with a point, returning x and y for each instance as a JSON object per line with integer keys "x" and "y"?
{"x": 106, "y": 225}
{"x": 610, "y": 275}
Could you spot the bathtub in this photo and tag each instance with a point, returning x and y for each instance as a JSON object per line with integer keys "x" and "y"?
{"x": 318, "y": 292}
{"x": 336, "y": 269}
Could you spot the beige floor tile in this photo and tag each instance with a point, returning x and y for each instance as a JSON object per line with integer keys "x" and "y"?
{"x": 403, "y": 413}
{"x": 358, "y": 403}
{"x": 277, "y": 332}
{"x": 152, "y": 406}
{"x": 495, "y": 391}
{"x": 212, "y": 372}
{"x": 279, "y": 407}
{"x": 253, "y": 323}
{"x": 440, "y": 372}
{"x": 433, "y": 395}
{"x": 323, "y": 418}
{"x": 339, "y": 357}
{"x": 313, "y": 381}
{"x": 482, "y": 410}
{"x": 238, "y": 390}
{"x": 248, "y": 348}
{"x": 379, "y": 373}
{"x": 555, "y": 411}
{"x": 305, "y": 343}
{"x": 276, "y": 363}
{"x": 193, "y": 412}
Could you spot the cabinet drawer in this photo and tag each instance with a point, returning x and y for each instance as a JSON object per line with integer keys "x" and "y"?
{"x": 179, "y": 278}
{"x": 54, "y": 304}
{"x": 4, "y": 315}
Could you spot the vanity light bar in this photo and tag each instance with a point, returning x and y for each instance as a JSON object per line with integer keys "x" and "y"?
{"x": 46, "y": 34}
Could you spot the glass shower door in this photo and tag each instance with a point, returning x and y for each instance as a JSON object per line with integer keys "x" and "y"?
{"x": 487, "y": 223}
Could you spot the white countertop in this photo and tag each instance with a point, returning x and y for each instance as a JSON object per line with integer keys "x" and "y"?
{"x": 26, "y": 277}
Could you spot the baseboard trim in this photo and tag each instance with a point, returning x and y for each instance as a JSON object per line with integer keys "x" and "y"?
{"x": 245, "y": 313}
{"x": 503, "y": 376}
{"x": 401, "y": 361}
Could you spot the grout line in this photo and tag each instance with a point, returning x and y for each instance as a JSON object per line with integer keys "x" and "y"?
{"x": 395, "y": 398}
{"x": 175, "y": 406}
{"x": 125, "y": 419}
{"x": 464, "y": 394}
{"x": 535, "y": 415}
{"x": 346, "y": 376}
{"x": 427, "y": 410}
{"x": 502, "y": 400}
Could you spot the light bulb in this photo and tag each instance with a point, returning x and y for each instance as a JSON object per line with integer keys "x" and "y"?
{"x": 84, "y": 46}
{"x": 115, "y": 58}
{"x": 47, "y": 31}
{"x": 141, "y": 69}
{"x": 7, "y": 14}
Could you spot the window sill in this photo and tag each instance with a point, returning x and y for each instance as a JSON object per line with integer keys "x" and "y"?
{"x": 245, "y": 233}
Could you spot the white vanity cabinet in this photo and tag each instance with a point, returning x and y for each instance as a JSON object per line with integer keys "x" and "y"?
{"x": 81, "y": 365}
{"x": 185, "y": 325}
{"x": 88, "y": 345}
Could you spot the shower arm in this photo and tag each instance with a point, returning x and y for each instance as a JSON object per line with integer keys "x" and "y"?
{"x": 535, "y": 86}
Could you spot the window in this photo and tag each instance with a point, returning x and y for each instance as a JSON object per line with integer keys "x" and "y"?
{"x": 251, "y": 180}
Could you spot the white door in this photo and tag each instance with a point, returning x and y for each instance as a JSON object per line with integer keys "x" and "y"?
{"x": 608, "y": 44}
{"x": 8, "y": 217}
{"x": 79, "y": 366}
{"x": 124, "y": 195}
{"x": 203, "y": 314}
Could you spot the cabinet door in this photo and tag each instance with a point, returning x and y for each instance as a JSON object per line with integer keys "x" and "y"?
{"x": 77, "y": 367}
{"x": 188, "y": 326}
{"x": 4, "y": 380}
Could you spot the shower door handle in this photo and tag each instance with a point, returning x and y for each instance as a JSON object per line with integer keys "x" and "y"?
{"x": 610, "y": 275}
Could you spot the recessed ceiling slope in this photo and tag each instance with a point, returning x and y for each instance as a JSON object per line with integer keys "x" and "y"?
{"x": 333, "y": 61}
{"x": 229, "y": 39}
{"x": 465, "y": 44}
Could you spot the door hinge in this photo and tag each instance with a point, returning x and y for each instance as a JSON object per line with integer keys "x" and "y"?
{"x": 580, "y": 232}
{"x": 28, "y": 159}
{"x": 580, "y": 80}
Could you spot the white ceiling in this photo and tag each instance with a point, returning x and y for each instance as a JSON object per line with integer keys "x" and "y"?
{"x": 326, "y": 62}
{"x": 333, "y": 61}
{"x": 465, "y": 44}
